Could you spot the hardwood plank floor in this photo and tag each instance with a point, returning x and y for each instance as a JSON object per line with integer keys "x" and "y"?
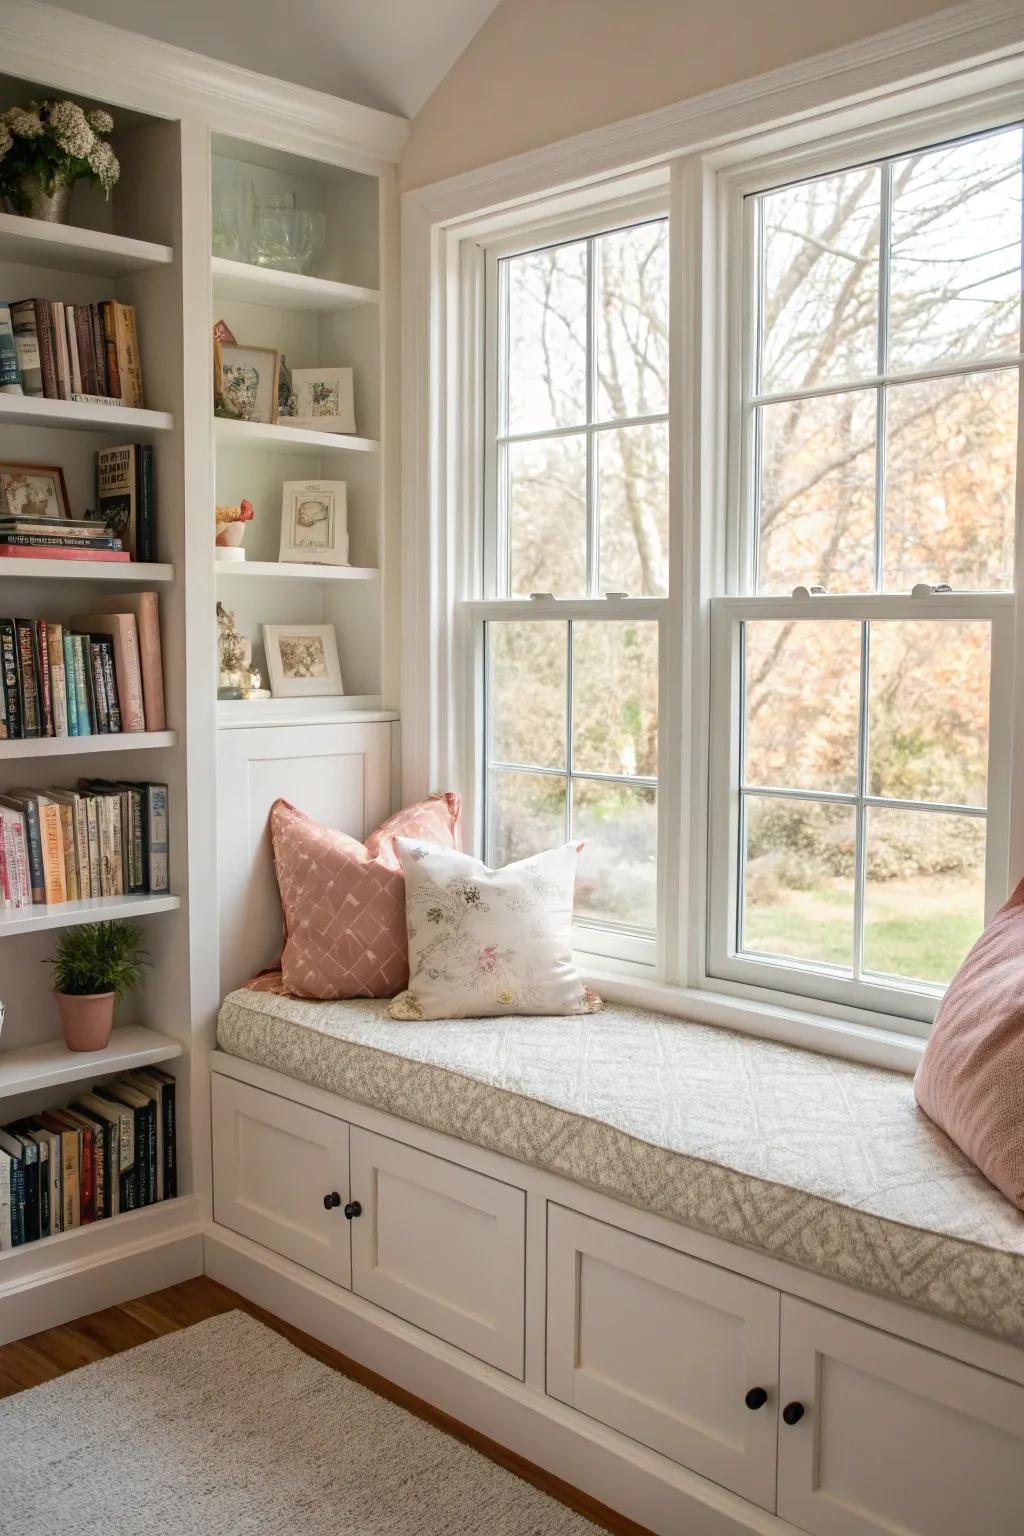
{"x": 44, "y": 1356}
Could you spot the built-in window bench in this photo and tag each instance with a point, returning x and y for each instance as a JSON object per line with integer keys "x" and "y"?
{"x": 764, "y": 1266}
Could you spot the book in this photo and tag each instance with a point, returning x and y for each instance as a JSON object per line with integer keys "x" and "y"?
{"x": 74, "y": 365}
{"x": 28, "y": 678}
{"x": 93, "y": 836}
{"x": 10, "y": 372}
{"x": 94, "y": 1184}
{"x": 89, "y": 385}
{"x": 122, "y": 629}
{"x": 46, "y": 334}
{"x": 145, "y": 608}
{"x": 5, "y": 1200}
{"x": 110, "y": 348}
{"x": 106, "y": 645}
{"x": 156, "y": 839}
{"x": 71, "y": 1165}
{"x": 119, "y": 1150}
{"x": 143, "y": 1135}
{"x": 38, "y": 541}
{"x": 99, "y": 687}
{"x": 11, "y": 1147}
{"x": 166, "y": 1084}
{"x": 29, "y": 812}
{"x": 26, "y": 1132}
{"x": 43, "y": 662}
{"x": 52, "y": 1159}
{"x": 9, "y": 676}
{"x": 125, "y": 497}
{"x": 26, "y": 345}
{"x": 100, "y": 352}
{"x": 51, "y": 841}
{"x": 30, "y": 1166}
{"x": 60, "y": 342}
{"x": 13, "y": 837}
{"x": 70, "y": 684}
{"x": 76, "y": 856}
{"x": 58, "y": 678}
{"x": 44, "y": 550}
{"x": 85, "y": 717}
{"x": 129, "y": 365}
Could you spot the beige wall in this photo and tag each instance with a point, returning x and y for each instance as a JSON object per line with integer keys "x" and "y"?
{"x": 540, "y": 70}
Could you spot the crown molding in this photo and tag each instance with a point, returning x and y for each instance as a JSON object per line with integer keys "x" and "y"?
{"x": 987, "y": 35}
{"x": 124, "y": 68}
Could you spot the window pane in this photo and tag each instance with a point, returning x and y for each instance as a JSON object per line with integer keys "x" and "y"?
{"x": 616, "y": 882}
{"x": 802, "y": 683}
{"x": 925, "y": 896}
{"x": 817, "y": 504}
{"x": 631, "y": 321}
{"x": 951, "y": 481}
{"x": 547, "y": 338}
{"x": 955, "y": 281}
{"x": 928, "y": 687}
{"x": 820, "y": 283}
{"x": 615, "y": 698}
{"x": 632, "y": 467}
{"x": 526, "y": 697}
{"x": 798, "y": 879}
{"x": 547, "y": 516}
{"x": 526, "y": 814}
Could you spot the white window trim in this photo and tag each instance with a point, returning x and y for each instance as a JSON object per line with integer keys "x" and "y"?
{"x": 871, "y": 93}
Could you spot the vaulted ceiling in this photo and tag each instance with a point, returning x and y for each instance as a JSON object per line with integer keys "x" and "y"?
{"x": 388, "y": 54}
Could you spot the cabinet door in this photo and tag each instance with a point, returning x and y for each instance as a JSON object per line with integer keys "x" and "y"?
{"x": 894, "y": 1439}
{"x": 665, "y": 1348}
{"x": 275, "y": 1164}
{"x": 440, "y": 1246}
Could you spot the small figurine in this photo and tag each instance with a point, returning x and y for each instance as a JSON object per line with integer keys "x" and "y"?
{"x": 238, "y": 678}
{"x": 231, "y": 523}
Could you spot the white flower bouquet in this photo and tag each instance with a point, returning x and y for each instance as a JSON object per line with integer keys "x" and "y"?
{"x": 48, "y": 146}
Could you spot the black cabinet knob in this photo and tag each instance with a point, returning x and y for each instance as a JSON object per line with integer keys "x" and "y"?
{"x": 332, "y": 1201}
{"x": 793, "y": 1413}
{"x": 756, "y": 1397}
{"x": 352, "y": 1210}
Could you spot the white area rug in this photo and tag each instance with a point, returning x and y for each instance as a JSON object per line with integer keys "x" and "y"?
{"x": 226, "y": 1429}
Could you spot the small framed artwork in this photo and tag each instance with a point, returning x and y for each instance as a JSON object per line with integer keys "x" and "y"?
{"x": 245, "y": 382}
{"x": 323, "y": 399}
{"x": 302, "y": 660}
{"x": 314, "y": 522}
{"x": 33, "y": 492}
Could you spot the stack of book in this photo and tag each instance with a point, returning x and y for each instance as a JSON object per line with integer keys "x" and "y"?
{"x": 112, "y": 1150}
{"x": 87, "y": 352}
{"x": 108, "y": 837}
{"x": 100, "y": 673}
{"x": 58, "y": 538}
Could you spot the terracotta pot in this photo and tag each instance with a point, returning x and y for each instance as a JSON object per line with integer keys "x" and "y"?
{"x": 86, "y": 1021}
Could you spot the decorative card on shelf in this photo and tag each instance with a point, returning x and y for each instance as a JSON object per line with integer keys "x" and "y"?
{"x": 245, "y": 382}
{"x": 323, "y": 400}
{"x": 314, "y": 522}
{"x": 302, "y": 660}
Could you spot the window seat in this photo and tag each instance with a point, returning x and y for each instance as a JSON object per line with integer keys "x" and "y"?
{"x": 822, "y": 1163}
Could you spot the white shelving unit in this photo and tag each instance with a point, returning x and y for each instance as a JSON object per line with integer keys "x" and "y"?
{"x": 271, "y": 570}
{"x": 62, "y": 247}
{"x": 24, "y": 411}
{"x": 139, "y": 573}
{"x": 50, "y": 1064}
{"x": 285, "y": 290}
{"x": 71, "y": 914}
{"x": 272, "y": 437}
{"x": 80, "y": 746}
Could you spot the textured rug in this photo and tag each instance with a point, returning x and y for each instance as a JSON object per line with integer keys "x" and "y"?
{"x": 226, "y": 1429}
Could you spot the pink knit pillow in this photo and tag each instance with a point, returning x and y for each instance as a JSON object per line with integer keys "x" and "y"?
{"x": 344, "y": 901}
{"x": 971, "y": 1077}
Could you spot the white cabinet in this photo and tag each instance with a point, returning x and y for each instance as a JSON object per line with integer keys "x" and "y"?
{"x": 666, "y": 1349}
{"x": 893, "y": 1438}
{"x": 441, "y": 1246}
{"x": 280, "y": 1176}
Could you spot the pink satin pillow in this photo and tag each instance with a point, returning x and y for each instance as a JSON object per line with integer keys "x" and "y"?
{"x": 344, "y": 901}
{"x": 971, "y": 1077}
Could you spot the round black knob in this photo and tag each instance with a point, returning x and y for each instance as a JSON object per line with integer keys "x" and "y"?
{"x": 793, "y": 1413}
{"x": 332, "y": 1201}
{"x": 756, "y": 1397}
{"x": 352, "y": 1210}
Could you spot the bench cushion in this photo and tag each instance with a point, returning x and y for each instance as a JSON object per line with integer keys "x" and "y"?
{"x": 820, "y": 1162}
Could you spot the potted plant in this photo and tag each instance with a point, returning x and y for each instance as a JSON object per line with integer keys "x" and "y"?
{"x": 45, "y": 148}
{"x": 93, "y": 967}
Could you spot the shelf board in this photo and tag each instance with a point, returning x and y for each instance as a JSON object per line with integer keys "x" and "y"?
{"x": 77, "y": 746}
{"x": 356, "y": 709}
{"x": 283, "y": 570}
{"x": 29, "y": 411}
{"x": 269, "y": 437}
{"x": 69, "y": 914}
{"x": 33, "y": 242}
{"x": 285, "y": 290}
{"x": 86, "y": 570}
{"x": 50, "y": 1063}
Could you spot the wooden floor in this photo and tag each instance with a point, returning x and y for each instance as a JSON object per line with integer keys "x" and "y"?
{"x": 31, "y": 1361}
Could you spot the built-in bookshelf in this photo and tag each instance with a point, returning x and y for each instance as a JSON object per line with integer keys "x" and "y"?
{"x": 49, "y": 1064}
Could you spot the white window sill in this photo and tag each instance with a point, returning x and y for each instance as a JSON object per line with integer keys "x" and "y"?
{"x": 868, "y": 1044}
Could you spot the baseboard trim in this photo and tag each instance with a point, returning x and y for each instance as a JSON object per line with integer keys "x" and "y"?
{"x": 72, "y": 1287}
{"x": 620, "y": 1474}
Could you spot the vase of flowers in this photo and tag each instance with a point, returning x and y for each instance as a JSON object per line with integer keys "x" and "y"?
{"x": 48, "y": 146}
{"x": 93, "y": 967}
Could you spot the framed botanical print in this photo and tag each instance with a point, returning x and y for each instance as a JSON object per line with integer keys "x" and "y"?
{"x": 314, "y": 522}
{"x": 323, "y": 399}
{"x": 33, "y": 492}
{"x": 302, "y": 660}
{"x": 245, "y": 382}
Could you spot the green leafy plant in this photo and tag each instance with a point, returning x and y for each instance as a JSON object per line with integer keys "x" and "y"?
{"x": 98, "y": 957}
{"x": 54, "y": 142}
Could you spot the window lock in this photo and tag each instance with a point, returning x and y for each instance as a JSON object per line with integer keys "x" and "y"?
{"x": 810, "y": 591}
{"x": 924, "y": 589}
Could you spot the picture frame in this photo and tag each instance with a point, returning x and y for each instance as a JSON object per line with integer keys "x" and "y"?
{"x": 314, "y": 522}
{"x": 245, "y": 382}
{"x": 302, "y": 660}
{"x": 33, "y": 492}
{"x": 323, "y": 400}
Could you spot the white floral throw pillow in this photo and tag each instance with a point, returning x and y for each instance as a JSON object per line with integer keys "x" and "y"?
{"x": 489, "y": 941}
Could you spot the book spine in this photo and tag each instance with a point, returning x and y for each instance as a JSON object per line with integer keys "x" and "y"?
{"x": 147, "y": 619}
{"x": 28, "y": 678}
{"x": 5, "y": 729}
{"x": 17, "y": 1202}
{"x": 47, "y": 348}
{"x": 85, "y": 721}
{"x": 82, "y": 848}
{"x": 58, "y": 679}
{"x": 71, "y": 1180}
{"x": 74, "y": 362}
{"x": 170, "y": 1140}
{"x": 88, "y": 1178}
{"x": 35, "y": 852}
{"x": 26, "y": 342}
{"x": 10, "y": 373}
{"x": 5, "y": 1201}
{"x": 99, "y": 347}
{"x": 113, "y": 805}
{"x": 110, "y": 348}
{"x": 69, "y": 849}
{"x": 19, "y": 842}
{"x": 86, "y": 358}
{"x": 9, "y": 666}
{"x": 45, "y": 703}
{"x": 146, "y": 503}
{"x": 30, "y": 1163}
{"x": 45, "y": 1219}
{"x": 93, "y": 833}
{"x": 70, "y": 685}
{"x": 51, "y": 833}
{"x": 6, "y": 888}
{"x": 60, "y": 342}
{"x": 99, "y": 687}
{"x": 128, "y": 362}
{"x": 57, "y": 541}
{"x": 156, "y": 840}
{"x": 110, "y": 684}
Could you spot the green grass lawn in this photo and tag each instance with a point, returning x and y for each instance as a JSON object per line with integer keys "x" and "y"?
{"x": 920, "y": 928}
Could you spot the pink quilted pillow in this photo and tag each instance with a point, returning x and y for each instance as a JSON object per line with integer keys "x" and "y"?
{"x": 344, "y": 901}
{"x": 971, "y": 1077}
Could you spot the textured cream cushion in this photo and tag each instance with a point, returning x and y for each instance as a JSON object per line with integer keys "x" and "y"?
{"x": 489, "y": 941}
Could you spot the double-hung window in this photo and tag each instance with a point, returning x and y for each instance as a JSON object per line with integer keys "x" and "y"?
{"x": 862, "y": 666}
{"x": 573, "y": 574}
